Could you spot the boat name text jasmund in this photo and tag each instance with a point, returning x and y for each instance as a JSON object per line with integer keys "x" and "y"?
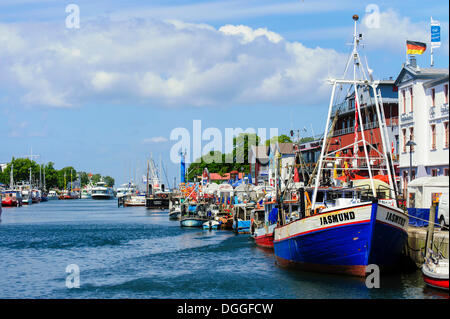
{"x": 335, "y": 218}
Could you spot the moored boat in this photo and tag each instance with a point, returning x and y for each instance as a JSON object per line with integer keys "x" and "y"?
{"x": 193, "y": 215}
{"x": 134, "y": 200}
{"x": 102, "y": 191}
{"x": 211, "y": 225}
{"x": 435, "y": 273}
{"x": 52, "y": 195}
{"x": 11, "y": 198}
{"x": 340, "y": 233}
{"x": 263, "y": 227}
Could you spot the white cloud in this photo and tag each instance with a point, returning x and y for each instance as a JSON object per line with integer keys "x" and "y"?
{"x": 164, "y": 63}
{"x": 152, "y": 140}
{"x": 394, "y": 30}
{"x": 248, "y": 34}
{"x": 176, "y": 63}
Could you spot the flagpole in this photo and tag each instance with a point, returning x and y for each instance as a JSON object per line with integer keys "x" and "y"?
{"x": 431, "y": 45}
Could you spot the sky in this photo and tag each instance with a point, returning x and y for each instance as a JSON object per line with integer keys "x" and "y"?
{"x": 107, "y": 95}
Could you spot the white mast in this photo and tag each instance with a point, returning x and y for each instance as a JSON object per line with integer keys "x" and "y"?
{"x": 356, "y": 83}
{"x": 11, "y": 177}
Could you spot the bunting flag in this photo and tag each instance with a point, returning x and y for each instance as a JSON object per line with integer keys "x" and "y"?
{"x": 414, "y": 47}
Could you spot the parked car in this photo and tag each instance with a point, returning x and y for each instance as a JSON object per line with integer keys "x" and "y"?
{"x": 442, "y": 214}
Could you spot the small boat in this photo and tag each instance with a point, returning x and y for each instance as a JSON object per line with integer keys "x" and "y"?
{"x": 52, "y": 195}
{"x": 211, "y": 225}
{"x": 11, "y": 198}
{"x": 102, "y": 191}
{"x": 435, "y": 272}
{"x": 193, "y": 217}
{"x": 26, "y": 197}
{"x": 44, "y": 197}
{"x": 85, "y": 193}
{"x": 134, "y": 200}
{"x": 263, "y": 227}
{"x": 35, "y": 196}
{"x": 242, "y": 218}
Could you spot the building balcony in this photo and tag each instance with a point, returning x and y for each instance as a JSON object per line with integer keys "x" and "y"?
{"x": 407, "y": 117}
{"x": 348, "y": 130}
{"x": 444, "y": 108}
{"x": 432, "y": 111}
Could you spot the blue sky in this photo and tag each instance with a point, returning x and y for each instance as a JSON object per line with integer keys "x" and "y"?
{"x": 106, "y": 95}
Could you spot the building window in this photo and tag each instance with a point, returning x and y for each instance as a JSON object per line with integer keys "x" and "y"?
{"x": 411, "y": 137}
{"x": 434, "y": 172}
{"x": 445, "y": 171}
{"x": 446, "y": 93}
{"x": 411, "y": 94}
{"x": 433, "y": 136}
{"x": 433, "y": 97}
{"x": 413, "y": 174}
{"x": 404, "y": 101}
{"x": 404, "y": 140}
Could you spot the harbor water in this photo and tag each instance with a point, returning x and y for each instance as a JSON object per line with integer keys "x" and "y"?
{"x": 130, "y": 252}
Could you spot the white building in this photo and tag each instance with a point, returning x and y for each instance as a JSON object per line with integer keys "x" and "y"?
{"x": 424, "y": 119}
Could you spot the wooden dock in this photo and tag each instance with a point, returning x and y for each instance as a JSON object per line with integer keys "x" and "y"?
{"x": 415, "y": 247}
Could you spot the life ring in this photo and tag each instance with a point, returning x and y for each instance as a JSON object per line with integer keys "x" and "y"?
{"x": 294, "y": 196}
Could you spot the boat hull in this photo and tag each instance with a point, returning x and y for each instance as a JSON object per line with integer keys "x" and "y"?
{"x": 192, "y": 222}
{"x": 242, "y": 226}
{"x": 436, "y": 279}
{"x": 9, "y": 202}
{"x": 211, "y": 225}
{"x": 174, "y": 215}
{"x": 344, "y": 240}
{"x": 102, "y": 197}
{"x": 264, "y": 241}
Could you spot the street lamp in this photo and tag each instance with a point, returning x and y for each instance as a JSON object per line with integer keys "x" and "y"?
{"x": 410, "y": 143}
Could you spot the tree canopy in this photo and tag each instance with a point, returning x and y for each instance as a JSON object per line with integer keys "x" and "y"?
{"x": 53, "y": 178}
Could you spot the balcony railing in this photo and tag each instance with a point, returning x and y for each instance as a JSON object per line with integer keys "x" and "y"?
{"x": 349, "y": 130}
{"x": 407, "y": 117}
{"x": 444, "y": 108}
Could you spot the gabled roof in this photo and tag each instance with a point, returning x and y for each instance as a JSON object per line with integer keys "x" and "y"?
{"x": 409, "y": 73}
{"x": 435, "y": 82}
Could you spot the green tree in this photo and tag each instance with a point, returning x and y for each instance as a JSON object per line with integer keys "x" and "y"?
{"x": 51, "y": 176}
{"x": 109, "y": 181}
{"x": 280, "y": 139}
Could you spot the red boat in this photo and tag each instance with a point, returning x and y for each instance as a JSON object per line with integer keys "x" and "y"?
{"x": 435, "y": 273}
{"x": 11, "y": 199}
{"x": 264, "y": 241}
{"x": 262, "y": 229}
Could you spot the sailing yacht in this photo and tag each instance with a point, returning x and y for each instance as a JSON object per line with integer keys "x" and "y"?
{"x": 102, "y": 191}
{"x": 345, "y": 231}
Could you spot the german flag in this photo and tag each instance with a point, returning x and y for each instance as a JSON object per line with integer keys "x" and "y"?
{"x": 413, "y": 47}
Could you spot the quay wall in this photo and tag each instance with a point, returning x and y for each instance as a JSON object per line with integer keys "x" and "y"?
{"x": 415, "y": 247}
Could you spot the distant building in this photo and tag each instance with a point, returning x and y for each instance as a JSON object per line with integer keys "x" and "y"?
{"x": 259, "y": 164}
{"x": 424, "y": 119}
{"x": 3, "y": 167}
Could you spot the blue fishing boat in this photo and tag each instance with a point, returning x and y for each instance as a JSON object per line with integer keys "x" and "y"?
{"x": 242, "y": 218}
{"x": 194, "y": 216}
{"x": 339, "y": 233}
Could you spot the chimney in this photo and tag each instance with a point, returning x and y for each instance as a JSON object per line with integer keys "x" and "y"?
{"x": 413, "y": 61}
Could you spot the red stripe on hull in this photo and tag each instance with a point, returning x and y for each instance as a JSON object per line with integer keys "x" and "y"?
{"x": 437, "y": 283}
{"x": 265, "y": 241}
{"x": 356, "y": 270}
